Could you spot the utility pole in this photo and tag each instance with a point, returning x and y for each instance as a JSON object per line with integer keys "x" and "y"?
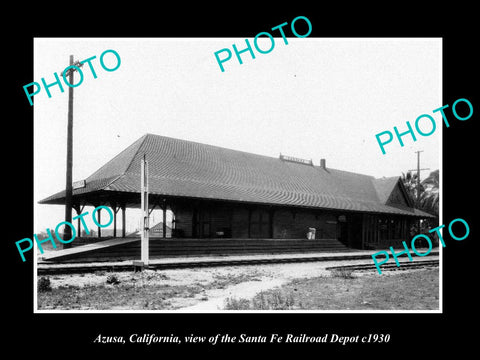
{"x": 419, "y": 223}
{"x": 418, "y": 175}
{"x": 67, "y": 232}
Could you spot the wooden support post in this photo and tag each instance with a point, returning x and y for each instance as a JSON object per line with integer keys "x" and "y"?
{"x": 164, "y": 211}
{"x": 174, "y": 226}
{"x": 76, "y": 207}
{"x": 115, "y": 222}
{"x": 79, "y": 210}
{"x": 123, "y": 220}
{"x": 79, "y": 229}
{"x": 99, "y": 217}
{"x": 145, "y": 214}
{"x": 115, "y": 209}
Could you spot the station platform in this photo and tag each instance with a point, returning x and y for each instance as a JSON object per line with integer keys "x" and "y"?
{"x": 118, "y": 249}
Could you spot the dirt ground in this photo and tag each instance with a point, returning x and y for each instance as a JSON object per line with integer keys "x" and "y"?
{"x": 200, "y": 289}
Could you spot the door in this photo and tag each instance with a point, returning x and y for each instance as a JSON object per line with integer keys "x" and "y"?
{"x": 259, "y": 224}
{"x": 201, "y": 223}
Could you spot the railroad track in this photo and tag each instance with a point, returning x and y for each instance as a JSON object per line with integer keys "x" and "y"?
{"x": 392, "y": 266}
{"x": 51, "y": 269}
{"x": 88, "y": 268}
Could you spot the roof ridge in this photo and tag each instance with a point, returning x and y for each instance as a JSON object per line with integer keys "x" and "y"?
{"x": 215, "y": 146}
{"x": 119, "y": 171}
{"x": 346, "y": 171}
{"x": 136, "y": 152}
{"x": 114, "y": 179}
{"x": 388, "y": 177}
{"x": 247, "y": 153}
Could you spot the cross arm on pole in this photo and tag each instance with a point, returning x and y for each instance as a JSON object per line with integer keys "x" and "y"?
{"x": 77, "y": 63}
{"x": 419, "y": 169}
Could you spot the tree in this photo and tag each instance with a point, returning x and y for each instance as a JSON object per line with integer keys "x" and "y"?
{"x": 429, "y": 191}
{"x": 409, "y": 180}
{"x": 429, "y": 198}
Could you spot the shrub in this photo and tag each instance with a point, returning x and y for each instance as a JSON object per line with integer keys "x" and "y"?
{"x": 113, "y": 279}
{"x": 44, "y": 284}
{"x": 237, "y": 304}
{"x": 344, "y": 273}
{"x": 271, "y": 300}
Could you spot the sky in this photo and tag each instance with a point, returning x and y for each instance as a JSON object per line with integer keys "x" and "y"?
{"x": 313, "y": 98}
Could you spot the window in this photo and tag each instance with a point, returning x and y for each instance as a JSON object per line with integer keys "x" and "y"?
{"x": 383, "y": 229}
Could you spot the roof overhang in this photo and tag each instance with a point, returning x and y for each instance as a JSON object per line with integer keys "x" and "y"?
{"x": 133, "y": 200}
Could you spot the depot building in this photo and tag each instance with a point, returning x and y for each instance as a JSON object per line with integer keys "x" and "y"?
{"x": 219, "y": 193}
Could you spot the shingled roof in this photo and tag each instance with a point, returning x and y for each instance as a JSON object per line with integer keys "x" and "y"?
{"x": 179, "y": 168}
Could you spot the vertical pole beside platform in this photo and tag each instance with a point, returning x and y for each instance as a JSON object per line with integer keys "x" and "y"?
{"x": 144, "y": 204}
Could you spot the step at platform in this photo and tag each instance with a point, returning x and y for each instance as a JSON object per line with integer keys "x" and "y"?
{"x": 129, "y": 248}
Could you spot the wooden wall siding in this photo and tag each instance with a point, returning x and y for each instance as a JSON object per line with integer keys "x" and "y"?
{"x": 288, "y": 224}
{"x": 240, "y": 222}
{"x": 382, "y": 232}
{"x": 183, "y": 222}
{"x": 375, "y": 232}
{"x": 259, "y": 223}
{"x": 244, "y": 221}
{"x": 220, "y": 220}
{"x": 283, "y": 223}
{"x": 370, "y": 231}
{"x": 355, "y": 230}
{"x": 204, "y": 221}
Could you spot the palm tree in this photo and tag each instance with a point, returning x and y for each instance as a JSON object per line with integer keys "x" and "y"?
{"x": 429, "y": 198}
{"x": 409, "y": 180}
